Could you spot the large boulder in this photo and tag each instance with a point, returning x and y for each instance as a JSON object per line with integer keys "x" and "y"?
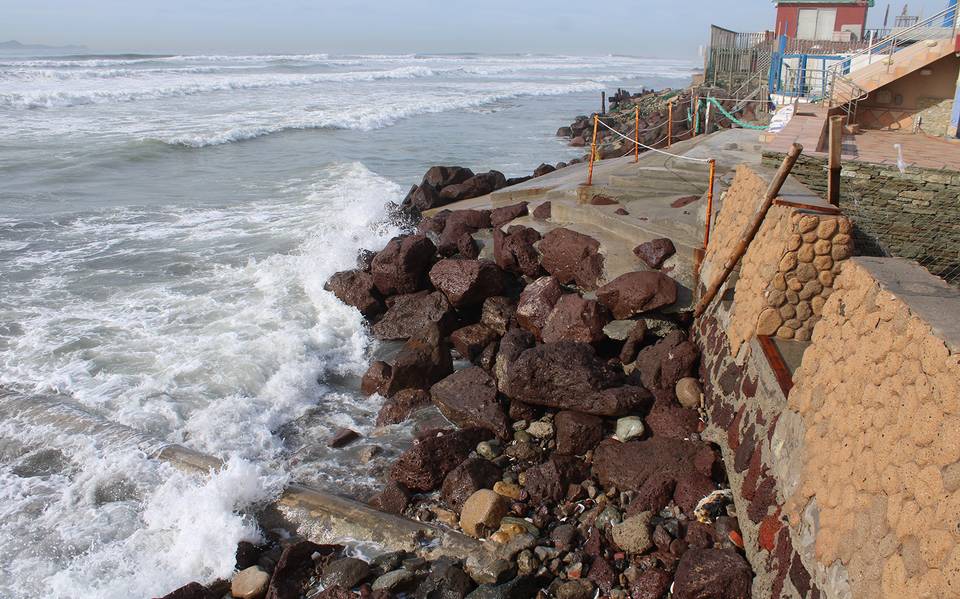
{"x": 474, "y": 187}
{"x": 467, "y": 282}
{"x": 469, "y": 398}
{"x": 655, "y": 252}
{"x": 356, "y": 288}
{"x": 439, "y": 177}
{"x": 423, "y": 197}
{"x": 411, "y": 313}
{"x": 501, "y": 216}
{"x": 570, "y": 376}
{"x": 637, "y": 292}
{"x": 712, "y": 574}
{"x": 655, "y": 464}
{"x": 422, "y": 361}
{"x": 514, "y": 343}
{"x": 548, "y": 481}
{"x": 402, "y": 265}
{"x": 536, "y": 303}
{"x": 575, "y": 319}
{"x": 399, "y": 407}
{"x": 458, "y": 223}
{"x": 466, "y": 479}
{"x": 672, "y": 358}
{"x": 471, "y": 340}
{"x": 423, "y": 467}
{"x": 514, "y": 250}
{"x": 572, "y": 257}
{"x": 543, "y": 169}
{"x": 577, "y": 433}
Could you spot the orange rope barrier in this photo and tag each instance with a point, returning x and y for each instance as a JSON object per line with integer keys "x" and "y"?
{"x": 593, "y": 149}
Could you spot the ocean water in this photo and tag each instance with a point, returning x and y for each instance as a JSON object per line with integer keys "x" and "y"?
{"x": 166, "y": 227}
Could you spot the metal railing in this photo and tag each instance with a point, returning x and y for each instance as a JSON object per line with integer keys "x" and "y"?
{"x": 938, "y": 26}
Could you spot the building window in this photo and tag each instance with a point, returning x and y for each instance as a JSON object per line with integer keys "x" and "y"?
{"x": 816, "y": 24}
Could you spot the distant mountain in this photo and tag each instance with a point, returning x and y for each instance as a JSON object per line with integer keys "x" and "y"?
{"x": 15, "y": 45}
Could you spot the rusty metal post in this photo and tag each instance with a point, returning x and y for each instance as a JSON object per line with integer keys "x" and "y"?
{"x": 772, "y": 192}
{"x": 836, "y": 147}
{"x": 709, "y": 219}
{"x": 636, "y": 136}
{"x": 593, "y": 149}
{"x": 603, "y": 102}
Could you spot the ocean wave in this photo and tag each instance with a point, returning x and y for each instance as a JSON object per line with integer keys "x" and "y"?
{"x": 371, "y": 118}
{"x": 65, "y": 98}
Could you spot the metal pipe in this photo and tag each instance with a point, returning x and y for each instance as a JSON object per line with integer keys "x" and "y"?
{"x": 836, "y": 146}
{"x": 772, "y": 192}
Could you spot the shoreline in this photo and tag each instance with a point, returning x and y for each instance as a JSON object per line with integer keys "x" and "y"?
{"x": 528, "y": 317}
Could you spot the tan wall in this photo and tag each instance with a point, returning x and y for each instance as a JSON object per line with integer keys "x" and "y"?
{"x": 879, "y": 395}
{"x": 928, "y": 95}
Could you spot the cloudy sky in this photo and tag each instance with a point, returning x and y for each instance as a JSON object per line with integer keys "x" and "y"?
{"x": 638, "y": 27}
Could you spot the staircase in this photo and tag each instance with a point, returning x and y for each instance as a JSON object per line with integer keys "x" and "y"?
{"x": 891, "y": 58}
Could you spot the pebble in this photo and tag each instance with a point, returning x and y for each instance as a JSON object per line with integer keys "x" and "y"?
{"x": 633, "y": 534}
{"x": 527, "y": 563}
{"x": 393, "y": 580}
{"x": 608, "y": 517}
{"x": 489, "y": 449}
{"x": 629, "y": 427}
{"x": 540, "y": 429}
{"x": 511, "y": 490}
{"x": 520, "y": 425}
{"x": 689, "y": 392}
{"x": 482, "y": 512}
{"x": 522, "y": 437}
{"x": 369, "y": 452}
{"x": 347, "y": 572}
{"x": 342, "y": 438}
{"x": 250, "y": 583}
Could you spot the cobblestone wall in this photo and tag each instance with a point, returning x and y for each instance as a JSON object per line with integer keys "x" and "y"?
{"x": 915, "y": 214}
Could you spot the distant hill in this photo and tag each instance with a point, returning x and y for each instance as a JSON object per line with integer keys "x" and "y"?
{"x": 15, "y": 45}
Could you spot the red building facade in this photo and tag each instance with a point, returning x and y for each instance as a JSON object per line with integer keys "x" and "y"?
{"x": 841, "y": 20}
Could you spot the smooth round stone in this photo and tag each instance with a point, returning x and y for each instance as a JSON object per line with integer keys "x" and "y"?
{"x": 250, "y": 583}
{"x": 629, "y": 427}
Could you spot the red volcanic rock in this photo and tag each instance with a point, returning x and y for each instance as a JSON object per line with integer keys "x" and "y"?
{"x": 409, "y": 314}
{"x": 439, "y": 177}
{"x": 471, "y": 340}
{"x": 514, "y": 251}
{"x": 646, "y": 466}
{"x": 570, "y": 376}
{"x": 399, "y": 407}
{"x": 423, "y": 467}
{"x": 548, "y": 481}
{"x": 543, "y": 169}
{"x": 575, "y": 319}
{"x": 514, "y": 343}
{"x": 355, "y": 288}
{"x": 460, "y": 222}
{"x": 501, "y": 216}
{"x": 466, "y": 479}
{"x": 577, "y": 433}
{"x": 536, "y": 303}
{"x": 498, "y": 314}
{"x": 376, "y": 378}
{"x": 392, "y": 499}
{"x": 422, "y": 361}
{"x": 401, "y": 266}
{"x": 655, "y": 252}
{"x": 672, "y": 358}
{"x": 628, "y": 353}
{"x": 467, "y": 282}
{"x": 572, "y": 257}
{"x": 637, "y": 292}
{"x": 715, "y": 573}
{"x": 468, "y": 398}
{"x": 543, "y": 211}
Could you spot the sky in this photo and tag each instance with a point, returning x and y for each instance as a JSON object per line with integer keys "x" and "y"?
{"x": 665, "y": 29}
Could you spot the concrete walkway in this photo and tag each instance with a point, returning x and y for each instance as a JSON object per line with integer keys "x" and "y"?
{"x": 664, "y": 197}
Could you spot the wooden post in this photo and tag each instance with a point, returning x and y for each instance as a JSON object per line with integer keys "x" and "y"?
{"x": 603, "y": 102}
{"x": 669, "y": 124}
{"x": 706, "y": 231}
{"x": 636, "y": 136}
{"x": 836, "y": 147}
{"x": 593, "y": 149}
{"x": 772, "y": 192}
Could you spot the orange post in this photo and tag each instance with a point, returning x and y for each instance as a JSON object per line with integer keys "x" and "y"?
{"x": 636, "y": 137}
{"x": 709, "y": 215}
{"x": 593, "y": 149}
{"x": 669, "y": 124}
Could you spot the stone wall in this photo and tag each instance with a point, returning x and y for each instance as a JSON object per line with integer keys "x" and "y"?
{"x": 845, "y": 474}
{"x": 915, "y": 214}
{"x": 879, "y": 395}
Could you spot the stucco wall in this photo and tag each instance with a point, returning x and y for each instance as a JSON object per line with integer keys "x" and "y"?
{"x": 879, "y": 394}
